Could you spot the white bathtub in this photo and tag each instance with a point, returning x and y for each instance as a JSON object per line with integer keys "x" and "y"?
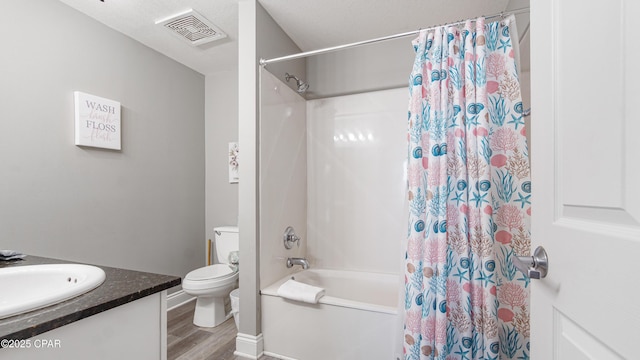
{"x": 356, "y": 319}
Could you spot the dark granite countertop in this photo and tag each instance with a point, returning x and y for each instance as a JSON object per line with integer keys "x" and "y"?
{"x": 120, "y": 287}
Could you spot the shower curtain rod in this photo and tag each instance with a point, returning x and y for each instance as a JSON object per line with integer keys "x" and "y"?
{"x": 265, "y": 62}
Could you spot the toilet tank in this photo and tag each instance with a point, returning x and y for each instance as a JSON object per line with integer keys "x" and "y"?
{"x": 226, "y": 241}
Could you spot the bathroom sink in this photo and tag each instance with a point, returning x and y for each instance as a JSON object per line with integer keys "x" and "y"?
{"x": 31, "y": 287}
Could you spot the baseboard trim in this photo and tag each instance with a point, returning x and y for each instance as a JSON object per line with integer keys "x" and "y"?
{"x": 278, "y": 356}
{"x": 178, "y": 298}
{"x": 249, "y": 346}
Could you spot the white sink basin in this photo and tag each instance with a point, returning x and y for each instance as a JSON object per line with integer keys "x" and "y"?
{"x": 31, "y": 287}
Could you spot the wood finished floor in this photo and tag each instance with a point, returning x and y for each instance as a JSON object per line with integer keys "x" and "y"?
{"x": 186, "y": 341}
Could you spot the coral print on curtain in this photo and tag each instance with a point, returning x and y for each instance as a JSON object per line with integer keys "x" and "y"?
{"x": 469, "y": 196}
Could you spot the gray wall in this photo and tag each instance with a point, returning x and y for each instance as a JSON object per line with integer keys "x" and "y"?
{"x": 139, "y": 208}
{"x": 384, "y": 65}
{"x": 221, "y": 128}
{"x": 273, "y": 42}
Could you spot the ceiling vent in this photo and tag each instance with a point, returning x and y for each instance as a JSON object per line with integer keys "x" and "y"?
{"x": 192, "y": 27}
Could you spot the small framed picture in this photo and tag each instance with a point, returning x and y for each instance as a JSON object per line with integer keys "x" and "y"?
{"x": 233, "y": 162}
{"x": 97, "y": 121}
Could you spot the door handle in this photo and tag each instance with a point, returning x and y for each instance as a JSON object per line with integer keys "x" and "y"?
{"x": 536, "y": 266}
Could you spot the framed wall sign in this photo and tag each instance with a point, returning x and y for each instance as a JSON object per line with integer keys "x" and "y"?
{"x": 97, "y": 121}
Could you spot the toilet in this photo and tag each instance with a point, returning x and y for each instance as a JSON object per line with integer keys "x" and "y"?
{"x": 212, "y": 284}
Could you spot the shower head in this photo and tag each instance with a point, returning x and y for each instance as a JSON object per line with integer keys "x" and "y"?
{"x": 302, "y": 86}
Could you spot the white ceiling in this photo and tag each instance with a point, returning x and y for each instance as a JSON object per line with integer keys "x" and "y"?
{"x": 137, "y": 18}
{"x": 311, "y": 24}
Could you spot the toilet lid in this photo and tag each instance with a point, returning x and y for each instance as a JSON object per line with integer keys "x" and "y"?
{"x": 210, "y": 272}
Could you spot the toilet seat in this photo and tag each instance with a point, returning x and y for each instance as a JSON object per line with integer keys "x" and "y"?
{"x": 210, "y": 277}
{"x": 216, "y": 271}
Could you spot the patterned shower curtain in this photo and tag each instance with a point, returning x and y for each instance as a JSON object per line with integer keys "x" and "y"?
{"x": 469, "y": 195}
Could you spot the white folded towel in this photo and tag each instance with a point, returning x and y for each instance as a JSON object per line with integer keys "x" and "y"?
{"x": 301, "y": 292}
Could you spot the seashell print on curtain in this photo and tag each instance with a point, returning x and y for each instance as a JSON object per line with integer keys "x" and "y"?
{"x": 469, "y": 195}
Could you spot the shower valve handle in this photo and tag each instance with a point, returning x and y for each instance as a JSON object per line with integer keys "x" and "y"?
{"x": 536, "y": 266}
{"x": 290, "y": 237}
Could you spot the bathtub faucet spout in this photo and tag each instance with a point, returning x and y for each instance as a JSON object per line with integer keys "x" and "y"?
{"x": 297, "y": 261}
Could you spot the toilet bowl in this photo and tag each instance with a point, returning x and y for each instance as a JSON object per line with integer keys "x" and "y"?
{"x": 212, "y": 284}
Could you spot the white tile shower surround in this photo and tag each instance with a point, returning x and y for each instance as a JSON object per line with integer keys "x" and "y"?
{"x": 353, "y": 187}
{"x": 356, "y": 154}
{"x": 283, "y": 175}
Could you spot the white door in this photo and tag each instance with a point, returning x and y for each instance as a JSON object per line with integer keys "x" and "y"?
{"x": 585, "y": 73}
